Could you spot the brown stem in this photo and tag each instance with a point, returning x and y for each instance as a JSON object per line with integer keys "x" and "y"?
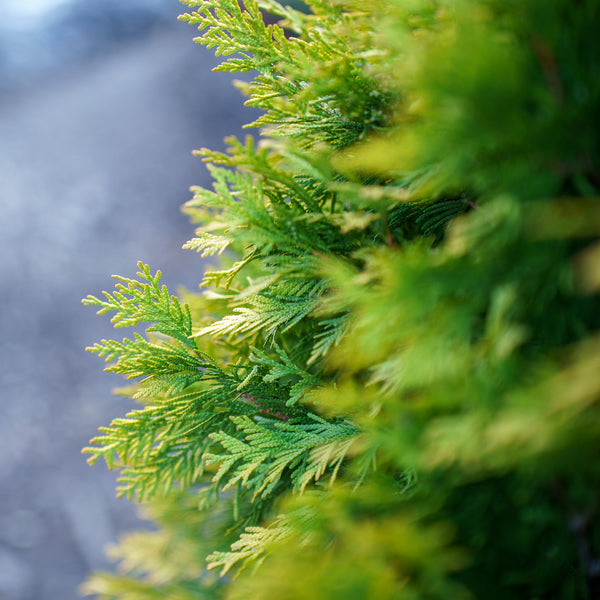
{"x": 548, "y": 62}
{"x": 267, "y": 411}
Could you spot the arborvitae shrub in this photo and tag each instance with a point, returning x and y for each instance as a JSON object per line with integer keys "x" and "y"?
{"x": 389, "y": 387}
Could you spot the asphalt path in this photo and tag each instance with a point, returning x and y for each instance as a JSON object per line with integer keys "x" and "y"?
{"x": 93, "y": 169}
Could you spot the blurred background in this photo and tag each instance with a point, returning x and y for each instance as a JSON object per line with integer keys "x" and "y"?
{"x": 101, "y": 104}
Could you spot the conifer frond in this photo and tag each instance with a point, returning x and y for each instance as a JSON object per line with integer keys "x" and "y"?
{"x": 164, "y": 443}
{"x": 107, "y": 586}
{"x": 270, "y": 449}
{"x": 329, "y": 335}
{"x": 250, "y": 548}
{"x": 283, "y": 369}
{"x": 414, "y": 219}
{"x": 285, "y": 67}
{"x": 163, "y": 563}
{"x": 146, "y": 301}
{"x": 232, "y": 30}
{"x": 255, "y": 544}
{"x": 166, "y": 367}
{"x": 207, "y": 244}
{"x": 224, "y": 277}
{"x": 262, "y": 161}
{"x": 278, "y": 308}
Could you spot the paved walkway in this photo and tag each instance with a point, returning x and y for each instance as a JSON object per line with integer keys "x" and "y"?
{"x": 93, "y": 169}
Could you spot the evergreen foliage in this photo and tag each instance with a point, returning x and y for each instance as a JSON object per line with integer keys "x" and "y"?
{"x": 389, "y": 387}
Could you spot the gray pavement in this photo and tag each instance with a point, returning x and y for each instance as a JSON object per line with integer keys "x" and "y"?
{"x": 93, "y": 169}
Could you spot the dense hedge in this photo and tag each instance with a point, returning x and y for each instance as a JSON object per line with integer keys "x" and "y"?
{"x": 389, "y": 386}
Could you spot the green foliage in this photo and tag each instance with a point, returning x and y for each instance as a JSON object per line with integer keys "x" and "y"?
{"x": 389, "y": 386}
{"x": 306, "y": 451}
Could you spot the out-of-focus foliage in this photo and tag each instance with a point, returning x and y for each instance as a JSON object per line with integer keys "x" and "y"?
{"x": 389, "y": 386}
